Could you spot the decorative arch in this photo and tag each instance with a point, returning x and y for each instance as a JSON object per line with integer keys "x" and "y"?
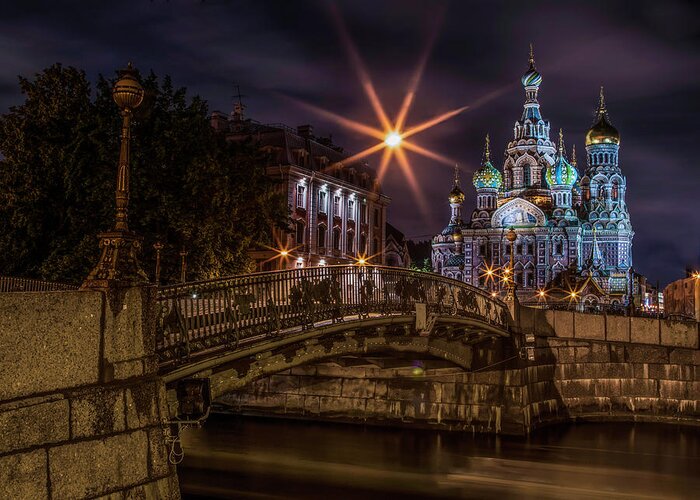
{"x": 518, "y": 212}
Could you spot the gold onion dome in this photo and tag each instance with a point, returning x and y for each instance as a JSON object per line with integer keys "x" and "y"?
{"x": 562, "y": 173}
{"x": 602, "y": 131}
{"x": 532, "y": 77}
{"x": 487, "y": 176}
{"x": 127, "y": 91}
{"x": 456, "y": 196}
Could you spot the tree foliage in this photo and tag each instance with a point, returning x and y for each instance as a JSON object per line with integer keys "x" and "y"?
{"x": 189, "y": 186}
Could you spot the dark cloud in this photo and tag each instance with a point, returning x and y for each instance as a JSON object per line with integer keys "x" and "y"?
{"x": 644, "y": 52}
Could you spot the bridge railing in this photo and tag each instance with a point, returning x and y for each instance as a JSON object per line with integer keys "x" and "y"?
{"x": 200, "y": 316}
{"x": 10, "y": 284}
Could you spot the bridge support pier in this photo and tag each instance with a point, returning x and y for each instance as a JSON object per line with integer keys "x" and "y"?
{"x": 81, "y": 403}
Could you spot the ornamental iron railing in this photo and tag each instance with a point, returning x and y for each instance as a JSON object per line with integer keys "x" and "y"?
{"x": 197, "y": 317}
{"x": 10, "y": 284}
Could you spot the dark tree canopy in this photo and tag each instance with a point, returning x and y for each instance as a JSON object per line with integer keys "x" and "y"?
{"x": 189, "y": 186}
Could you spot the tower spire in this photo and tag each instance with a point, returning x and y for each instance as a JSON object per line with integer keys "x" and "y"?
{"x": 573, "y": 155}
{"x": 561, "y": 143}
{"x": 456, "y": 174}
{"x": 487, "y": 149}
{"x": 531, "y": 60}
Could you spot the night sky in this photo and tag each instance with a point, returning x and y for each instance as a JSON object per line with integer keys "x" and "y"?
{"x": 645, "y": 53}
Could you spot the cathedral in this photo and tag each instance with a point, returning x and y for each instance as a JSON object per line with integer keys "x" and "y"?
{"x": 573, "y": 236}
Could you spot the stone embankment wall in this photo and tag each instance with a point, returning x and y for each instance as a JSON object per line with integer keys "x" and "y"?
{"x": 610, "y": 368}
{"x": 80, "y": 401}
{"x": 581, "y": 367}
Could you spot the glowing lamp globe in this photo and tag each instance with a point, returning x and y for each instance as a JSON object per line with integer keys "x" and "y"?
{"x": 393, "y": 139}
{"x": 128, "y": 92}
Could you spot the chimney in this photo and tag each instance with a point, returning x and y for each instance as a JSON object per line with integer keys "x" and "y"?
{"x": 306, "y": 131}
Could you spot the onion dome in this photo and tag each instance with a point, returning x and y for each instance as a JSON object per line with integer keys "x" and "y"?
{"x": 456, "y": 196}
{"x": 532, "y": 77}
{"x": 487, "y": 176}
{"x": 602, "y": 131}
{"x": 562, "y": 173}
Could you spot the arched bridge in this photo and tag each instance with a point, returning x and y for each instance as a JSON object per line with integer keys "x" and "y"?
{"x": 241, "y": 328}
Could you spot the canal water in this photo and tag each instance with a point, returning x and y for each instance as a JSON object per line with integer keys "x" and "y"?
{"x": 267, "y": 458}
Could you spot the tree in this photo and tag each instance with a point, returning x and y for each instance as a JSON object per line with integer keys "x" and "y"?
{"x": 189, "y": 186}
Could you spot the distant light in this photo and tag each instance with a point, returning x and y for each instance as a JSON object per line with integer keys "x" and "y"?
{"x": 392, "y": 139}
{"x": 284, "y": 253}
{"x": 322, "y": 262}
{"x": 300, "y": 259}
{"x": 361, "y": 261}
{"x": 573, "y": 294}
{"x": 541, "y": 292}
{"x": 489, "y": 272}
{"x": 194, "y": 295}
{"x": 493, "y": 294}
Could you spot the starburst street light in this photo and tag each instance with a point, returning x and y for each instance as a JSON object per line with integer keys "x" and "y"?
{"x": 391, "y": 134}
{"x": 393, "y": 139}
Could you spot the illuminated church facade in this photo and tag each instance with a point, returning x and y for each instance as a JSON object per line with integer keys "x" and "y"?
{"x": 573, "y": 228}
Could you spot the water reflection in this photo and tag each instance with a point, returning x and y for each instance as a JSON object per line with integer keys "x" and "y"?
{"x": 235, "y": 457}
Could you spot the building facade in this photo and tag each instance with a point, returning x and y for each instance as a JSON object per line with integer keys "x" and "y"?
{"x": 337, "y": 210}
{"x": 573, "y": 229}
{"x": 682, "y": 298}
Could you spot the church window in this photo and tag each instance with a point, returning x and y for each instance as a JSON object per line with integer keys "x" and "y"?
{"x": 526, "y": 175}
{"x": 519, "y": 249}
{"x": 482, "y": 249}
{"x": 363, "y": 213}
{"x": 615, "y": 191}
{"x": 530, "y": 249}
{"x": 375, "y": 246}
{"x": 558, "y": 248}
{"x": 363, "y": 243}
{"x": 376, "y": 217}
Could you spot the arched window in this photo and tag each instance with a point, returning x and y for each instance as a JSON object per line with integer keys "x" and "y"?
{"x": 615, "y": 191}
{"x": 300, "y": 232}
{"x": 336, "y": 238}
{"x": 321, "y": 239}
{"x": 350, "y": 243}
{"x": 363, "y": 243}
{"x": 375, "y": 246}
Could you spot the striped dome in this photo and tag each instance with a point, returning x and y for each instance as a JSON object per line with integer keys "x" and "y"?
{"x": 531, "y": 78}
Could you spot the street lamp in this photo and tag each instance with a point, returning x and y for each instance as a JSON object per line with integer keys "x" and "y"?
{"x": 118, "y": 265}
{"x": 510, "y": 294}
{"x": 158, "y": 246}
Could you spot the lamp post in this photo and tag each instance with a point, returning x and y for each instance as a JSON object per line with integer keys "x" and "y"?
{"x": 510, "y": 293}
{"x": 158, "y": 246}
{"x": 118, "y": 265}
{"x": 183, "y": 265}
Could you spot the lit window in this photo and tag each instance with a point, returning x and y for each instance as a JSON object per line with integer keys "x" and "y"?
{"x": 301, "y": 198}
{"x": 322, "y": 201}
{"x": 351, "y": 209}
{"x": 336, "y": 206}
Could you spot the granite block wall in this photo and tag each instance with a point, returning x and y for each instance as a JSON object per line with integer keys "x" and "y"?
{"x": 81, "y": 404}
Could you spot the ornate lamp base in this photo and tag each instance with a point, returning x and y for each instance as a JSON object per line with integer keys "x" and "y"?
{"x": 119, "y": 265}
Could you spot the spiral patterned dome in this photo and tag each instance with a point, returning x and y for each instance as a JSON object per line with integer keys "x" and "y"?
{"x": 531, "y": 78}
